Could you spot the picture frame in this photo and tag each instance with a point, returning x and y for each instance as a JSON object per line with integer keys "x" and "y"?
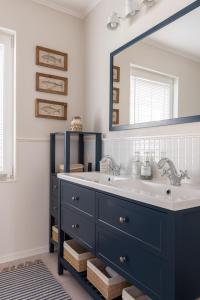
{"x": 50, "y": 109}
{"x": 116, "y": 74}
{"x": 115, "y": 117}
{"x": 51, "y": 84}
{"x": 116, "y": 93}
{"x": 51, "y": 58}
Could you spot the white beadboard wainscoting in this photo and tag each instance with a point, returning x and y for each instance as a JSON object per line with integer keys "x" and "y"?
{"x": 183, "y": 150}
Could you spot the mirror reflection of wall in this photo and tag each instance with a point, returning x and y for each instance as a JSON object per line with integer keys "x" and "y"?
{"x": 159, "y": 75}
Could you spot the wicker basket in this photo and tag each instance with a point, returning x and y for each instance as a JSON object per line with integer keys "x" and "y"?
{"x": 76, "y": 255}
{"x": 55, "y": 234}
{"x": 110, "y": 286}
{"x": 131, "y": 293}
{"x": 76, "y": 168}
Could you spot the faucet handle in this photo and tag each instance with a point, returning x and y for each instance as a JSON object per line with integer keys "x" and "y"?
{"x": 165, "y": 171}
{"x": 185, "y": 174}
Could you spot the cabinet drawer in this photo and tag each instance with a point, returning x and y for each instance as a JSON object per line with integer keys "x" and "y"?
{"x": 144, "y": 224}
{"x": 78, "y": 197}
{"x": 78, "y": 226}
{"x": 124, "y": 254}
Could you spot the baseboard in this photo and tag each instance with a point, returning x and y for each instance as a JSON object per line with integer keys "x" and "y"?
{"x": 23, "y": 254}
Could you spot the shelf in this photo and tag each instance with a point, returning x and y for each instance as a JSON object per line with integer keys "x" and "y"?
{"x": 76, "y": 133}
{"x": 82, "y": 279}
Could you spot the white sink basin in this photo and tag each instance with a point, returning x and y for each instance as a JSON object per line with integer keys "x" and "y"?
{"x": 152, "y": 192}
{"x": 100, "y": 177}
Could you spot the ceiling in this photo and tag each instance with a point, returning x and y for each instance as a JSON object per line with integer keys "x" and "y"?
{"x": 77, "y": 8}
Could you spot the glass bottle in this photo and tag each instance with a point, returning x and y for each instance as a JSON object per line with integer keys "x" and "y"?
{"x": 146, "y": 168}
{"x": 136, "y": 166}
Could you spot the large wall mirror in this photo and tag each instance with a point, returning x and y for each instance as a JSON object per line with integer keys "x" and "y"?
{"x": 155, "y": 78}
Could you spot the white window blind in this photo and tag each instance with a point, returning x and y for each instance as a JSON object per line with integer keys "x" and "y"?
{"x": 6, "y": 105}
{"x": 151, "y": 96}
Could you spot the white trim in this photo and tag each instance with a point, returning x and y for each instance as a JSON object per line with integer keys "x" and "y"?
{"x": 71, "y": 12}
{"x": 122, "y": 136}
{"x": 32, "y": 140}
{"x": 23, "y": 254}
{"x": 59, "y": 8}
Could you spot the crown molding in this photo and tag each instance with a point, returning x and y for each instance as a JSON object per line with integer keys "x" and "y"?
{"x": 59, "y": 8}
{"x": 90, "y": 7}
{"x": 67, "y": 11}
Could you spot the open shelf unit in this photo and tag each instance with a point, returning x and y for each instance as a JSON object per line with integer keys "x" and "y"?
{"x": 53, "y": 212}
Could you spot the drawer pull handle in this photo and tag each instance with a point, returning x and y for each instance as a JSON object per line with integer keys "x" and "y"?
{"x": 122, "y": 259}
{"x": 122, "y": 220}
{"x": 75, "y": 226}
{"x": 75, "y": 198}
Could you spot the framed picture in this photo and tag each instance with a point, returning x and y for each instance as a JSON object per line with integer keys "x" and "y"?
{"x": 115, "y": 117}
{"x": 51, "y": 84}
{"x": 51, "y": 58}
{"x": 116, "y": 95}
{"x": 50, "y": 109}
{"x": 116, "y": 74}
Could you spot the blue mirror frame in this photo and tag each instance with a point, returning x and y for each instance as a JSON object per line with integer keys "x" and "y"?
{"x": 159, "y": 26}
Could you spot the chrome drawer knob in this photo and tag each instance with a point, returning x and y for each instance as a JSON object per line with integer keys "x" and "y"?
{"x": 55, "y": 186}
{"x": 122, "y": 220}
{"x": 75, "y": 198}
{"x": 122, "y": 259}
{"x": 75, "y": 226}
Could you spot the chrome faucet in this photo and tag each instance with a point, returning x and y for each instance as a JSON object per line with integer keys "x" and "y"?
{"x": 169, "y": 169}
{"x": 114, "y": 168}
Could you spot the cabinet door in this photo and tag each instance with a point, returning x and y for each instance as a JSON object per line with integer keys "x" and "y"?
{"x": 138, "y": 265}
{"x": 78, "y": 226}
{"x": 78, "y": 197}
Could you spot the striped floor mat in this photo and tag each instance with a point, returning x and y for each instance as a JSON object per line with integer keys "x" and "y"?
{"x": 32, "y": 281}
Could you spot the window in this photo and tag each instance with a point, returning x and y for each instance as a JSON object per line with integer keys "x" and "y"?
{"x": 7, "y": 144}
{"x": 152, "y": 96}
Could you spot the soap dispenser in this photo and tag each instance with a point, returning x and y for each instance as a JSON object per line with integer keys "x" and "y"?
{"x": 136, "y": 166}
{"x": 146, "y": 168}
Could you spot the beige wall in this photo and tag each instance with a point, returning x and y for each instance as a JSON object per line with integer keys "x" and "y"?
{"x": 100, "y": 42}
{"x": 162, "y": 60}
{"x": 24, "y": 204}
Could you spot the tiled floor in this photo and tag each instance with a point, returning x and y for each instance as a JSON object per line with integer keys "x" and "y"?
{"x": 70, "y": 285}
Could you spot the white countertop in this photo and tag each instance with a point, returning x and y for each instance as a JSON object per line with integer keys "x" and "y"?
{"x": 149, "y": 192}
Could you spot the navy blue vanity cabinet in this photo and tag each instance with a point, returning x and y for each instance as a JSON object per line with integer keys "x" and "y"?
{"x": 153, "y": 248}
{"x": 134, "y": 240}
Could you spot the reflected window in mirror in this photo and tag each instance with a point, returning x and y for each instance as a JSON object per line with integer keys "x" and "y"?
{"x": 152, "y": 95}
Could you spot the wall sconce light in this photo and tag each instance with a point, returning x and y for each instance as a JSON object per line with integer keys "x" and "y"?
{"x": 149, "y": 3}
{"x": 113, "y": 21}
{"x": 132, "y": 7}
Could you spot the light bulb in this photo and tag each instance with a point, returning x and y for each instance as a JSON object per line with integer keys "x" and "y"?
{"x": 149, "y": 3}
{"x": 113, "y": 21}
